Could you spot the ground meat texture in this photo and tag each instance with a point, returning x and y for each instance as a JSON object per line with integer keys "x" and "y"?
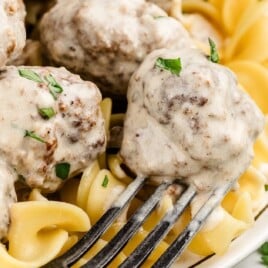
{"x": 105, "y": 41}
{"x": 198, "y": 125}
{"x": 33, "y": 146}
{"x": 7, "y": 195}
{"x": 12, "y": 30}
{"x": 74, "y": 135}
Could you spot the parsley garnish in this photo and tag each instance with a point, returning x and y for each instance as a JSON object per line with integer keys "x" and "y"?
{"x": 264, "y": 252}
{"x": 32, "y": 135}
{"x": 214, "y": 56}
{"x": 105, "y": 181}
{"x": 54, "y": 87}
{"x": 62, "y": 170}
{"x": 266, "y": 187}
{"x": 159, "y": 17}
{"x": 172, "y": 65}
{"x": 46, "y": 113}
{"x": 31, "y": 75}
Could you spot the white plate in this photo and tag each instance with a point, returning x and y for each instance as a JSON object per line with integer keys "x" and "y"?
{"x": 239, "y": 249}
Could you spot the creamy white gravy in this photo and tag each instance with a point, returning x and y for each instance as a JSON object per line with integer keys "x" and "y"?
{"x": 198, "y": 126}
{"x": 75, "y": 135}
{"x": 105, "y": 41}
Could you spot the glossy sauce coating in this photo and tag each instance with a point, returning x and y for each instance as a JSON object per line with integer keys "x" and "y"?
{"x": 198, "y": 126}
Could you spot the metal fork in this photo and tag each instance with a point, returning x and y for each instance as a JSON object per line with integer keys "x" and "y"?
{"x": 139, "y": 255}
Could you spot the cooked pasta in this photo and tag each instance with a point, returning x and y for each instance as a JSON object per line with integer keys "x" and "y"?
{"x": 243, "y": 26}
{"x": 43, "y": 227}
{"x": 88, "y": 197}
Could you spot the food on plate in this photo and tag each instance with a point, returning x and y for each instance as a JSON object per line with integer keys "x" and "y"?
{"x": 188, "y": 118}
{"x": 51, "y": 128}
{"x": 12, "y": 29}
{"x": 197, "y": 108}
{"x": 105, "y": 41}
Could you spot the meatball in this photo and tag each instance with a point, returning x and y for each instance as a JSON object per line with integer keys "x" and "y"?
{"x": 51, "y": 127}
{"x": 12, "y": 30}
{"x": 193, "y": 123}
{"x": 105, "y": 41}
{"x": 7, "y": 195}
{"x": 49, "y": 116}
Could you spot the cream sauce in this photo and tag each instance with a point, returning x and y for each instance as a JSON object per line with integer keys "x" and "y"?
{"x": 74, "y": 135}
{"x": 105, "y": 41}
{"x": 199, "y": 126}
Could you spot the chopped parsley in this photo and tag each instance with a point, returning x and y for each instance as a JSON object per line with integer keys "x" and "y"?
{"x": 105, "y": 181}
{"x": 172, "y": 65}
{"x": 214, "y": 56}
{"x": 62, "y": 170}
{"x": 46, "y": 113}
{"x": 54, "y": 87}
{"x": 159, "y": 17}
{"x": 32, "y": 135}
{"x": 30, "y": 75}
{"x": 266, "y": 187}
{"x": 264, "y": 253}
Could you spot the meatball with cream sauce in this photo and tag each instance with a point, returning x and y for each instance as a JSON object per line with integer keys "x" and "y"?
{"x": 105, "y": 41}
{"x": 51, "y": 129}
{"x": 12, "y": 29}
{"x": 187, "y": 118}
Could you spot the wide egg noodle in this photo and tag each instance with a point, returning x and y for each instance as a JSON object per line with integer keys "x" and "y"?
{"x": 243, "y": 24}
{"x": 246, "y": 58}
{"x": 43, "y": 237}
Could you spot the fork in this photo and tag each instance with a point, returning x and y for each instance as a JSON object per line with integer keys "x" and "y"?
{"x": 139, "y": 255}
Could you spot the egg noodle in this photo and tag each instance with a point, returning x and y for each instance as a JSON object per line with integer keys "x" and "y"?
{"x": 42, "y": 229}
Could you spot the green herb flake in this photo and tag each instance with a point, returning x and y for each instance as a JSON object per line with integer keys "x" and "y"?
{"x": 54, "y": 87}
{"x": 105, "y": 181}
{"x": 264, "y": 259}
{"x": 30, "y": 75}
{"x": 62, "y": 170}
{"x": 52, "y": 82}
{"x": 159, "y": 17}
{"x": 266, "y": 187}
{"x": 214, "y": 56}
{"x": 32, "y": 135}
{"x": 172, "y": 65}
{"x": 46, "y": 113}
{"x": 263, "y": 250}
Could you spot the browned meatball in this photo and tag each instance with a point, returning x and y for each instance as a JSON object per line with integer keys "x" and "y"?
{"x": 195, "y": 124}
{"x": 105, "y": 41}
{"x": 51, "y": 128}
{"x": 12, "y": 30}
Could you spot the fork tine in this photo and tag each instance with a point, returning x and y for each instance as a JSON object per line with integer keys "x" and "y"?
{"x": 129, "y": 229}
{"x": 87, "y": 241}
{"x": 146, "y": 247}
{"x": 176, "y": 248}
